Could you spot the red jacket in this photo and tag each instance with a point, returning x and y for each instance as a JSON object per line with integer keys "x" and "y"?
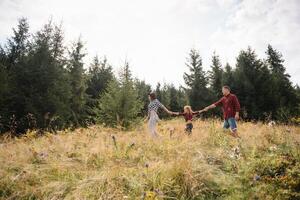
{"x": 230, "y": 105}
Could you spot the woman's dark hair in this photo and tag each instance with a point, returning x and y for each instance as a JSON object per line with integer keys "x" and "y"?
{"x": 152, "y": 95}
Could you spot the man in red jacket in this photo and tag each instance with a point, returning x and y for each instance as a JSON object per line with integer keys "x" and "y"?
{"x": 231, "y": 108}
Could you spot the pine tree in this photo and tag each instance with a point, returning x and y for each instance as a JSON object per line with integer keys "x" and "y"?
{"x": 182, "y": 98}
{"x": 109, "y": 104}
{"x": 284, "y": 96}
{"x": 216, "y": 75}
{"x": 99, "y": 75}
{"x": 47, "y": 89}
{"x": 250, "y": 75}
{"x": 3, "y": 91}
{"x": 297, "y": 110}
{"x": 143, "y": 90}
{"x": 3, "y": 74}
{"x": 78, "y": 84}
{"x": 245, "y": 75}
{"x": 57, "y": 46}
{"x": 164, "y": 97}
{"x": 18, "y": 44}
{"x": 174, "y": 98}
{"x": 13, "y": 59}
{"x": 228, "y": 78}
{"x": 17, "y": 49}
{"x": 59, "y": 88}
{"x": 120, "y": 104}
{"x": 158, "y": 90}
{"x": 38, "y": 82}
{"x": 196, "y": 81}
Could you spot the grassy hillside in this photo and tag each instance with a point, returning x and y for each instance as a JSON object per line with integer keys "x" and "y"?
{"x": 103, "y": 163}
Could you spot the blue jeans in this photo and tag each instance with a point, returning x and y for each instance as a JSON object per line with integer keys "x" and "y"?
{"x": 230, "y": 123}
{"x": 189, "y": 128}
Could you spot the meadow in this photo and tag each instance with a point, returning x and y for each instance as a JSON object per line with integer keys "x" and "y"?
{"x": 104, "y": 163}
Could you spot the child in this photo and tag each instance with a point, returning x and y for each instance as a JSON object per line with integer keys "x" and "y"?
{"x": 188, "y": 114}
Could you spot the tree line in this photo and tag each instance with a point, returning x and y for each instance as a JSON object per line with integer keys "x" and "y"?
{"x": 44, "y": 85}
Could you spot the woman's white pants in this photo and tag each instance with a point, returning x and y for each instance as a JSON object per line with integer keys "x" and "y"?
{"x": 152, "y": 123}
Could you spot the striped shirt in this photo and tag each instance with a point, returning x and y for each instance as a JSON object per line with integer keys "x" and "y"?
{"x": 154, "y": 105}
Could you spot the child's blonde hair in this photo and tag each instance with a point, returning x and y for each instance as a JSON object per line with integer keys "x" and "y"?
{"x": 187, "y": 109}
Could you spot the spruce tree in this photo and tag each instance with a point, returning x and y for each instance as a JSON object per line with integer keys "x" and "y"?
{"x": 17, "y": 46}
{"x": 215, "y": 76}
{"x": 120, "y": 104}
{"x": 14, "y": 60}
{"x": 78, "y": 84}
{"x": 99, "y": 75}
{"x": 245, "y": 75}
{"x": 284, "y": 96}
{"x": 252, "y": 85}
{"x": 3, "y": 94}
{"x": 196, "y": 81}
{"x": 143, "y": 90}
{"x": 164, "y": 98}
{"x": 182, "y": 98}
{"x": 158, "y": 90}
{"x": 227, "y": 78}
{"x": 165, "y": 95}
{"x": 174, "y": 98}
{"x": 45, "y": 81}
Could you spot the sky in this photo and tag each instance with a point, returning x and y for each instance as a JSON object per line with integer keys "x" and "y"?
{"x": 155, "y": 36}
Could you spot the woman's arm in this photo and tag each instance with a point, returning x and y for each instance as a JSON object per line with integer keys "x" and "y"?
{"x": 147, "y": 117}
{"x": 167, "y": 111}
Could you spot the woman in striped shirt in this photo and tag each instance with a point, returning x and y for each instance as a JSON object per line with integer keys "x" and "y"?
{"x": 153, "y": 118}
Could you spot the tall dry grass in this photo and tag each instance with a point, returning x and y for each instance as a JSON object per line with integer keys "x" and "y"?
{"x": 103, "y": 163}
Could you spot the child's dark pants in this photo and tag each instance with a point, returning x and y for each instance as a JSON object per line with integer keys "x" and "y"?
{"x": 189, "y": 128}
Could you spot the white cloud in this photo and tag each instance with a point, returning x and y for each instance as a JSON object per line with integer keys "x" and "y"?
{"x": 258, "y": 23}
{"x": 155, "y": 36}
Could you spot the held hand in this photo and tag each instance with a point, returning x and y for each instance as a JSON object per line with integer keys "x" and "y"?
{"x": 201, "y": 111}
{"x": 170, "y": 112}
{"x": 237, "y": 116}
{"x": 174, "y": 113}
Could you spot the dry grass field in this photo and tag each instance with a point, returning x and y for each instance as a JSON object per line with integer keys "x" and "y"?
{"x": 104, "y": 163}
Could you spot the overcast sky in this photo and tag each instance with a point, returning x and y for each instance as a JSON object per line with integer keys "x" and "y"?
{"x": 155, "y": 36}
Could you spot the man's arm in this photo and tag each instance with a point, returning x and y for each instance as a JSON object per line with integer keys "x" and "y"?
{"x": 213, "y": 105}
{"x": 209, "y": 107}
